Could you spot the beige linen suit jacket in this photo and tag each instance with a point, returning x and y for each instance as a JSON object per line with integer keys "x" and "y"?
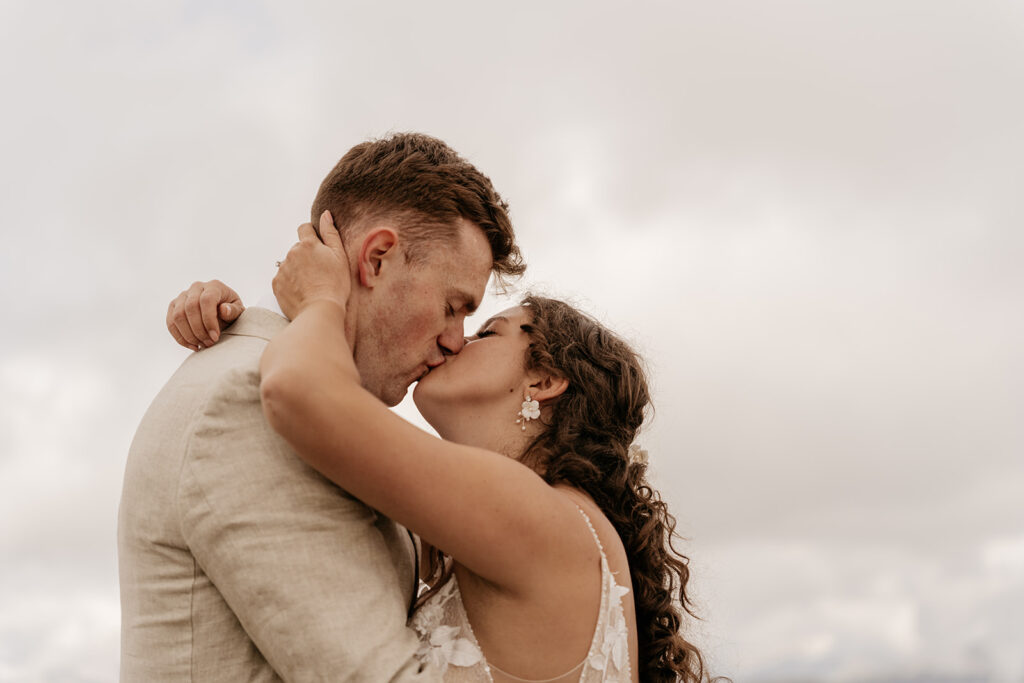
{"x": 239, "y": 562}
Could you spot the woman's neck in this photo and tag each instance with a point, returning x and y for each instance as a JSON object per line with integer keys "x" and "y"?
{"x": 510, "y": 439}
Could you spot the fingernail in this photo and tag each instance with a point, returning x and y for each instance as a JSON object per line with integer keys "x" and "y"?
{"x": 227, "y": 309}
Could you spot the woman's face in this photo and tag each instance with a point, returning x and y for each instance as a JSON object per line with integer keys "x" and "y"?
{"x": 490, "y": 371}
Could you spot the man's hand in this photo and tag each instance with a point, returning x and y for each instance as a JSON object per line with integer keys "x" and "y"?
{"x": 196, "y": 317}
{"x": 314, "y": 270}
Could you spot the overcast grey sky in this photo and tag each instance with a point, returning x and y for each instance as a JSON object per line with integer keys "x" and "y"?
{"x": 807, "y": 215}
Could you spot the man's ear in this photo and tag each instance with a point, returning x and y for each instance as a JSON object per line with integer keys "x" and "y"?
{"x": 547, "y": 387}
{"x": 376, "y": 252}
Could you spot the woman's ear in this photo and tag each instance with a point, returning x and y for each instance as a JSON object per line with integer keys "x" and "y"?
{"x": 547, "y": 387}
{"x": 378, "y": 247}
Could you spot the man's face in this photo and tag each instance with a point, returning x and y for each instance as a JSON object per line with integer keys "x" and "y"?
{"x": 414, "y": 317}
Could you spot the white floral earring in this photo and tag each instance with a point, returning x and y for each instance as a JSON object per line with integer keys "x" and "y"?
{"x": 529, "y": 411}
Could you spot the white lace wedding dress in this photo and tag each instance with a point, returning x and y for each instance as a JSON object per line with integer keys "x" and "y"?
{"x": 449, "y": 644}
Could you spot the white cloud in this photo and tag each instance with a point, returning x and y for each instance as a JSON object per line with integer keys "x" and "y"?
{"x": 1004, "y": 555}
{"x": 857, "y": 611}
{"x": 806, "y": 215}
{"x": 63, "y": 634}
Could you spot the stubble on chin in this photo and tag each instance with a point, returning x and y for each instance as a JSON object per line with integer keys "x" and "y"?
{"x": 393, "y": 394}
{"x": 392, "y": 390}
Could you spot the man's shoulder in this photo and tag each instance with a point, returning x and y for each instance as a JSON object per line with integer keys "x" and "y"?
{"x": 233, "y": 361}
{"x": 225, "y": 376}
{"x": 239, "y": 348}
{"x": 230, "y": 367}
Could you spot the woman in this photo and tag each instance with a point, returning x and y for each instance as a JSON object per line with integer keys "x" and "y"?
{"x": 549, "y": 556}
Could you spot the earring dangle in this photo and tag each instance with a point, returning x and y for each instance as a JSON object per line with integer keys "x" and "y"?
{"x": 529, "y": 411}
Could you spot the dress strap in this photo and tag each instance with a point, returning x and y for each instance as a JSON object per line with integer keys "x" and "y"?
{"x": 586, "y": 518}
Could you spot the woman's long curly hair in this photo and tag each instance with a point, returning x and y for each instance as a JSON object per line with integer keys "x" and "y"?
{"x": 585, "y": 444}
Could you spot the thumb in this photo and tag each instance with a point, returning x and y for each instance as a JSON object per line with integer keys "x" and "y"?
{"x": 328, "y": 232}
{"x": 228, "y": 312}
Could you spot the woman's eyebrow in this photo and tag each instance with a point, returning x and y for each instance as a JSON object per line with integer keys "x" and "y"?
{"x": 492, "y": 319}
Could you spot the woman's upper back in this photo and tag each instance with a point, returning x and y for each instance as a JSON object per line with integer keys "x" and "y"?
{"x": 578, "y": 626}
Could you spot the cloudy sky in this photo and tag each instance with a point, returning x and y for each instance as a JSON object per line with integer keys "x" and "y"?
{"x": 807, "y": 215}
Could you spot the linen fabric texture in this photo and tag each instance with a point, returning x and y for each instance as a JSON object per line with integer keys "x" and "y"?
{"x": 238, "y": 562}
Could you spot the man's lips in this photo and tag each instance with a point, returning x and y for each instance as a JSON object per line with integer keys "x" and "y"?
{"x": 430, "y": 368}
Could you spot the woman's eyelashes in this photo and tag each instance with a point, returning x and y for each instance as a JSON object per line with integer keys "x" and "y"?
{"x": 484, "y": 333}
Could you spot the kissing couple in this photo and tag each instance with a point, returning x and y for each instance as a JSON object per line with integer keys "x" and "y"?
{"x": 278, "y": 521}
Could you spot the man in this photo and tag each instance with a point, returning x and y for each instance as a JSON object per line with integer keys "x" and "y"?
{"x": 239, "y": 562}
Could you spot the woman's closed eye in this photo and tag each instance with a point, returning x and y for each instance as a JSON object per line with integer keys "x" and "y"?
{"x": 484, "y": 333}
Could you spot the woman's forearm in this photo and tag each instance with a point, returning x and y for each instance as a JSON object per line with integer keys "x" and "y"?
{"x": 310, "y": 354}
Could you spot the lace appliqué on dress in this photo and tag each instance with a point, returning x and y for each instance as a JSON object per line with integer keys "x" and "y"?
{"x": 447, "y": 641}
{"x": 446, "y": 638}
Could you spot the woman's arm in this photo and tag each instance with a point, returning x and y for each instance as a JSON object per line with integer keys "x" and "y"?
{"x": 494, "y": 515}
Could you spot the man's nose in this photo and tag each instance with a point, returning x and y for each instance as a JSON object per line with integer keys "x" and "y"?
{"x": 451, "y": 340}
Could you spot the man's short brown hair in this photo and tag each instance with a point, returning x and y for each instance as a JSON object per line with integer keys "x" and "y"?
{"x": 425, "y": 186}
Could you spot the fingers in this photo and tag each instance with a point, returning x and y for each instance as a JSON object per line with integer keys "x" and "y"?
{"x": 313, "y": 269}
{"x": 295, "y": 253}
{"x": 178, "y": 325}
{"x": 194, "y": 316}
{"x": 172, "y": 327}
{"x": 307, "y": 233}
{"x": 208, "y": 303}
